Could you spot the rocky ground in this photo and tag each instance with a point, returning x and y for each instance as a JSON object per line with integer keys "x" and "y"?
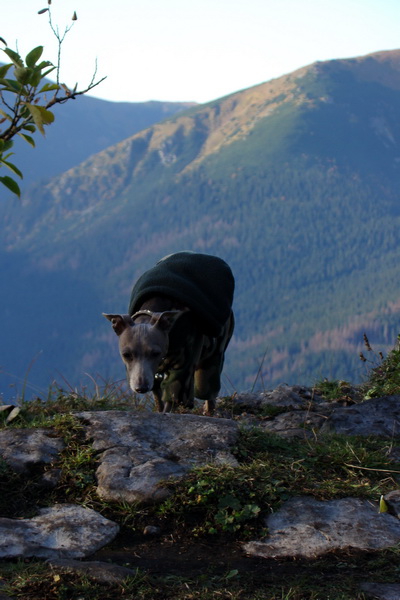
{"x": 138, "y": 452}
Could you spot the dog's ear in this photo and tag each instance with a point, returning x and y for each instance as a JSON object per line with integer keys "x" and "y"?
{"x": 165, "y": 320}
{"x": 119, "y": 322}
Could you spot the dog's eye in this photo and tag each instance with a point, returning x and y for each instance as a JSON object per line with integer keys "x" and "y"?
{"x": 127, "y": 355}
{"x": 155, "y": 354}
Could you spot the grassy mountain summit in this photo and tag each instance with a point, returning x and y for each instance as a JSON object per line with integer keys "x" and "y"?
{"x": 294, "y": 182}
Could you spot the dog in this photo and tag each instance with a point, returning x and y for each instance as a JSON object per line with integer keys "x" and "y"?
{"x": 180, "y": 322}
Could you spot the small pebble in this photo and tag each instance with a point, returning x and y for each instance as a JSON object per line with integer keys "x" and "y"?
{"x": 151, "y": 530}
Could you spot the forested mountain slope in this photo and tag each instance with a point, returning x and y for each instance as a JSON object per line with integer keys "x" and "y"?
{"x": 294, "y": 182}
{"x": 84, "y": 127}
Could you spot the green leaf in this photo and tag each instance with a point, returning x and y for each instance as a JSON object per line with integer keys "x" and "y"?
{"x": 47, "y": 115}
{"x": 47, "y": 72}
{"x": 11, "y": 85}
{"x": 231, "y": 574}
{"x": 28, "y": 139}
{"x": 383, "y": 507}
{"x": 5, "y": 115}
{"x": 14, "y": 56}
{"x": 49, "y": 87}
{"x": 229, "y": 501}
{"x": 5, "y": 145}
{"x": 4, "y": 70}
{"x": 44, "y": 64}
{"x": 29, "y": 127}
{"x": 25, "y": 114}
{"x": 11, "y": 185}
{"x": 12, "y": 167}
{"x": 35, "y": 78}
{"x": 23, "y": 74}
{"x": 33, "y": 56}
{"x": 41, "y": 116}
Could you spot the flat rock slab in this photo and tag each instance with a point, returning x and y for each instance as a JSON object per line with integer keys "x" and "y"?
{"x": 293, "y": 397}
{"x": 23, "y": 449}
{"x": 298, "y": 423}
{"x": 100, "y": 571}
{"x": 382, "y": 591}
{"x": 307, "y": 528}
{"x": 378, "y": 416}
{"x": 139, "y": 450}
{"x": 63, "y": 531}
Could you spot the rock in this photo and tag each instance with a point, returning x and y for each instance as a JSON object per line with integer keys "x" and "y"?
{"x": 392, "y": 499}
{"x": 293, "y": 397}
{"x": 13, "y": 414}
{"x": 50, "y": 478}
{"x": 139, "y": 450}
{"x": 308, "y": 413}
{"x": 299, "y": 423}
{"x": 307, "y": 528}
{"x": 245, "y": 400}
{"x": 378, "y": 416}
{"x": 382, "y": 591}
{"x": 152, "y": 530}
{"x": 100, "y": 571}
{"x": 24, "y": 449}
{"x": 64, "y": 531}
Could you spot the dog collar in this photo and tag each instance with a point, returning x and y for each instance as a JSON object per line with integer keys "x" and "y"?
{"x": 140, "y": 312}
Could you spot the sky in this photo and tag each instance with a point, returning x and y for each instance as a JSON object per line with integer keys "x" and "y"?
{"x": 196, "y": 50}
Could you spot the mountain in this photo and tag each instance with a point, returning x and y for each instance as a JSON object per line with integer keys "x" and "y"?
{"x": 83, "y": 127}
{"x": 295, "y": 182}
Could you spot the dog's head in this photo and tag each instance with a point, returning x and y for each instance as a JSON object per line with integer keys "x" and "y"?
{"x": 143, "y": 343}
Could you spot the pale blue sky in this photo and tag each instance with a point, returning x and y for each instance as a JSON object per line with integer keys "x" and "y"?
{"x": 198, "y": 50}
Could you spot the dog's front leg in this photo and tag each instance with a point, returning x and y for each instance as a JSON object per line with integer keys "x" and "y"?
{"x": 177, "y": 393}
{"x": 209, "y": 406}
{"x": 157, "y": 394}
{"x": 170, "y": 397}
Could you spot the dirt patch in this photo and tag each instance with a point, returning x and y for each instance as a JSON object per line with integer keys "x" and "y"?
{"x": 163, "y": 556}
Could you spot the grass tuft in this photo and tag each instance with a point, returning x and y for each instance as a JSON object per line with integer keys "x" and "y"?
{"x": 384, "y": 377}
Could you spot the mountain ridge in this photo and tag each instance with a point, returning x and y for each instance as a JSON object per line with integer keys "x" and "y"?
{"x": 294, "y": 183}
{"x": 96, "y": 123}
{"x": 221, "y": 120}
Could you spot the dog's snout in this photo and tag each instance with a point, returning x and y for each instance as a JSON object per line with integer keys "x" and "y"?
{"x": 140, "y": 378}
{"x": 142, "y": 389}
